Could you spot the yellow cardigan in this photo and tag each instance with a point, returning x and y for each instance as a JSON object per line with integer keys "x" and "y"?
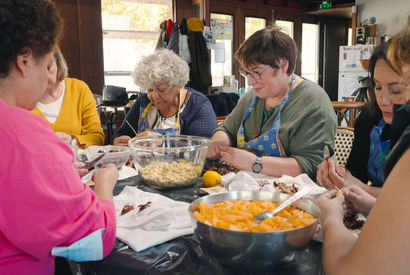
{"x": 78, "y": 115}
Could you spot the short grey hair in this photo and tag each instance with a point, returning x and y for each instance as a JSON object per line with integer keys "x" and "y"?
{"x": 162, "y": 65}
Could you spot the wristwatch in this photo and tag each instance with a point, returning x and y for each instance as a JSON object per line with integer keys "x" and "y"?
{"x": 257, "y": 166}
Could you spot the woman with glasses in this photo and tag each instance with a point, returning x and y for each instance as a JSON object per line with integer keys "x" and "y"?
{"x": 282, "y": 124}
{"x": 372, "y": 133}
{"x": 166, "y": 107}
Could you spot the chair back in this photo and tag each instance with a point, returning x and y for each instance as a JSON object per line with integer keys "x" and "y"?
{"x": 343, "y": 144}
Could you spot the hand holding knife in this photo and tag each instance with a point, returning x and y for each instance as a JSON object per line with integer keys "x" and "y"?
{"x": 90, "y": 164}
{"x": 326, "y": 156}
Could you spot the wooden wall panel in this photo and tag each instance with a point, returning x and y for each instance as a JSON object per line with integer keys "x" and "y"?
{"x": 81, "y": 43}
{"x": 91, "y": 44}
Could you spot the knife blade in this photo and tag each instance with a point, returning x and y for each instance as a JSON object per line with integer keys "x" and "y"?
{"x": 326, "y": 156}
{"x": 326, "y": 152}
{"x": 90, "y": 164}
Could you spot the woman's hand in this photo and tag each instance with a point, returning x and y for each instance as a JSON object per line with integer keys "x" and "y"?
{"x": 105, "y": 179}
{"x": 147, "y": 134}
{"x": 238, "y": 158}
{"x": 121, "y": 141}
{"x": 214, "y": 149}
{"x": 81, "y": 169}
{"x": 65, "y": 137}
{"x": 358, "y": 200}
{"x": 219, "y": 139}
{"x": 331, "y": 206}
{"x": 330, "y": 174}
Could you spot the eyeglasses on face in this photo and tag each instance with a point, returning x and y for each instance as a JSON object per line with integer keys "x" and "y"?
{"x": 254, "y": 75}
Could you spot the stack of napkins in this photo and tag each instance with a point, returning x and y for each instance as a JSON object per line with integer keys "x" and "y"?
{"x": 160, "y": 219}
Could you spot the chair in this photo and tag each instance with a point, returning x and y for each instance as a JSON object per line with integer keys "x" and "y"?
{"x": 343, "y": 144}
{"x": 348, "y": 111}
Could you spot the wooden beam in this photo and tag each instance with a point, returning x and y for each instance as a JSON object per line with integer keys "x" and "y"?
{"x": 354, "y": 24}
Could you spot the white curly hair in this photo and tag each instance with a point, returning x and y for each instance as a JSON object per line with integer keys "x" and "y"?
{"x": 162, "y": 65}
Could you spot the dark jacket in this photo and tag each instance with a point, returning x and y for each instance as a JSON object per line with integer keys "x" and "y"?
{"x": 200, "y": 69}
{"x": 400, "y": 136}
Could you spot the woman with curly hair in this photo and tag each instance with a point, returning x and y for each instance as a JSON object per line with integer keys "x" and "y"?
{"x": 166, "y": 107}
{"x": 45, "y": 209}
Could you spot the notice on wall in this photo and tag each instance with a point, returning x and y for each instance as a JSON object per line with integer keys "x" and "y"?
{"x": 220, "y": 52}
{"x": 222, "y": 28}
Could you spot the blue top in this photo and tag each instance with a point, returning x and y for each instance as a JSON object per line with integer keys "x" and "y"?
{"x": 197, "y": 118}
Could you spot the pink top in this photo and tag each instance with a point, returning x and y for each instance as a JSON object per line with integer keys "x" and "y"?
{"x": 43, "y": 201}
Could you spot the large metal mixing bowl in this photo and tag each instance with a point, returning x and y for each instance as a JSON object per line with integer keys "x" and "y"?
{"x": 253, "y": 250}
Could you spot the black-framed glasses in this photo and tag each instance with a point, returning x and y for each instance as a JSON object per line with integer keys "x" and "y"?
{"x": 255, "y": 75}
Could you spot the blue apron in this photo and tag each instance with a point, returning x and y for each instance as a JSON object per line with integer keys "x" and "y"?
{"x": 143, "y": 123}
{"x": 378, "y": 153}
{"x": 267, "y": 144}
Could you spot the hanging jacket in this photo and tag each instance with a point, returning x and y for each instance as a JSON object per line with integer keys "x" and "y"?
{"x": 200, "y": 69}
{"x": 183, "y": 41}
{"x": 173, "y": 43}
{"x": 163, "y": 36}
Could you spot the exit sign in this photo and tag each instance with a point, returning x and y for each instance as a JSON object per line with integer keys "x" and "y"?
{"x": 325, "y": 5}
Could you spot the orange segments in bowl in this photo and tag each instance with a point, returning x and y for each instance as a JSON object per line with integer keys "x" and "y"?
{"x": 211, "y": 178}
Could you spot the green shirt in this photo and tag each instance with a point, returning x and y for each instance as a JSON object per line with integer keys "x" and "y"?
{"x": 308, "y": 122}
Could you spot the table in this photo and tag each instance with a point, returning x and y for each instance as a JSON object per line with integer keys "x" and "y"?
{"x": 343, "y": 107}
{"x": 185, "y": 255}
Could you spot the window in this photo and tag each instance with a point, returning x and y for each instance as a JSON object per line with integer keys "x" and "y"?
{"x": 222, "y": 25}
{"x": 287, "y": 26}
{"x": 130, "y": 31}
{"x": 253, "y": 24}
{"x": 310, "y": 41}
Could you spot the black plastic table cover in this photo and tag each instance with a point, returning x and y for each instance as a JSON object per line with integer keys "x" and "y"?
{"x": 185, "y": 255}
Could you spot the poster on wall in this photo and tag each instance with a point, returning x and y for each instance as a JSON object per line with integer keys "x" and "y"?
{"x": 222, "y": 28}
{"x": 209, "y": 36}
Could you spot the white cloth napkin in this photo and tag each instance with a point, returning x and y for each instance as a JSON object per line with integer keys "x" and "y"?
{"x": 250, "y": 181}
{"x": 163, "y": 220}
{"x": 123, "y": 173}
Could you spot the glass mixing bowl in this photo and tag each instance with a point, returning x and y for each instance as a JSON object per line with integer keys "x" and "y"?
{"x": 166, "y": 162}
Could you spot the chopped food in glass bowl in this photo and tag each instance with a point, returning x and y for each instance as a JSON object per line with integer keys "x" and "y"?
{"x": 166, "y": 162}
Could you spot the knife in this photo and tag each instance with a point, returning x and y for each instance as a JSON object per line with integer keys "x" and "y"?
{"x": 89, "y": 165}
{"x": 326, "y": 153}
{"x": 326, "y": 156}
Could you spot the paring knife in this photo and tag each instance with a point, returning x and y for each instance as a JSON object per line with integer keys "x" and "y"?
{"x": 326, "y": 156}
{"x": 326, "y": 152}
{"x": 89, "y": 165}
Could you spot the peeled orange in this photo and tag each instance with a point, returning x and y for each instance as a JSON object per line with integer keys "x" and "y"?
{"x": 211, "y": 179}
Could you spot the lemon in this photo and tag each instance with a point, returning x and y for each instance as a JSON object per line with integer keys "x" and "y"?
{"x": 211, "y": 178}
